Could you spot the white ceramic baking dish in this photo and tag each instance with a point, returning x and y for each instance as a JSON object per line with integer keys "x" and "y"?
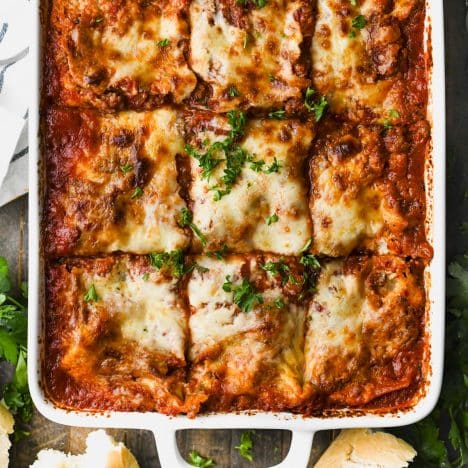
{"x": 164, "y": 427}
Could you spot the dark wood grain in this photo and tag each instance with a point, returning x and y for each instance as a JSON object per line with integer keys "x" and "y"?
{"x": 270, "y": 446}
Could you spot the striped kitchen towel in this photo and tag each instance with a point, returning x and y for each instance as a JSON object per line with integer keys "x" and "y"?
{"x": 14, "y": 97}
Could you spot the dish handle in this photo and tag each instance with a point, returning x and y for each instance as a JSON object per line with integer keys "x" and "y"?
{"x": 169, "y": 456}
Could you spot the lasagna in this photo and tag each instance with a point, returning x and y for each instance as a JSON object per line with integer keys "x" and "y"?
{"x": 234, "y": 212}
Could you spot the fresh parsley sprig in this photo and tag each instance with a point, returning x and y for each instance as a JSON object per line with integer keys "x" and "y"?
{"x": 244, "y": 295}
{"x": 186, "y": 220}
{"x": 195, "y": 459}
{"x": 174, "y": 261}
{"x": 318, "y": 107}
{"x": 246, "y": 445}
{"x": 13, "y": 343}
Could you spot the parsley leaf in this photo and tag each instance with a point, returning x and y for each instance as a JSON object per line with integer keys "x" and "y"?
{"x": 279, "y": 303}
{"x": 280, "y": 268}
{"x": 207, "y": 161}
{"x": 137, "y": 193}
{"x": 163, "y": 43}
{"x": 275, "y": 166}
{"x": 317, "y": 107}
{"x": 246, "y": 445}
{"x": 233, "y": 92}
{"x": 126, "y": 168}
{"x": 306, "y": 246}
{"x": 186, "y": 220}
{"x": 258, "y": 3}
{"x": 5, "y": 283}
{"x": 91, "y": 294}
{"x": 277, "y": 114}
{"x": 257, "y": 166}
{"x": 274, "y": 218}
{"x": 195, "y": 459}
{"x": 13, "y": 341}
{"x": 245, "y": 296}
{"x": 359, "y": 22}
{"x": 309, "y": 261}
{"x": 174, "y": 261}
{"x": 219, "y": 254}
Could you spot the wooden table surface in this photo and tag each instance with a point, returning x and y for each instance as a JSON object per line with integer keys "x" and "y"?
{"x": 270, "y": 447}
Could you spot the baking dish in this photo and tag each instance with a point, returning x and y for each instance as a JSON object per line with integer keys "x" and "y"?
{"x": 164, "y": 427}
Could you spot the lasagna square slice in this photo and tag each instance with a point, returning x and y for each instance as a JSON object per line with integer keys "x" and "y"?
{"x": 247, "y": 334}
{"x": 254, "y": 197}
{"x": 116, "y": 334}
{"x": 250, "y": 56}
{"x": 364, "y": 329}
{"x": 112, "y": 182}
{"x": 368, "y": 189}
{"x": 369, "y": 59}
{"x": 118, "y": 55}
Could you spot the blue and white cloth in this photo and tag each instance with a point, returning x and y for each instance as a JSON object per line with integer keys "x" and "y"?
{"x": 15, "y": 87}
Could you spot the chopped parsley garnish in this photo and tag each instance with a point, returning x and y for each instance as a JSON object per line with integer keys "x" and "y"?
{"x": 359, "y": 22}
{"x": 186, "y": 220}
{"x": 126, "y": 168}
{"x": 310, "y": 261}
{"x": 393, "y": 114}
{"x": 246, "y": 445}
{"x": 174, "y": 261}
{"x": 274, "y": 218}
{"x": 145, "y": 277}
{"x": 279, "y": 303}
{"x": 275, "y": 166}
{"x": 219, "y": 254}
{"x": 233, "y": 92}
{"x": 352, "y": 34}
{"x": 207, "y": 161}
{"x": 277, "y": 114}
{"x": 98, "y": 20}
{"x": 195, "y": 459}
{"x": 308, "y": 100}
{"x": 257, "y": 3}
{"x": 280, "y": 268}
{"x": 387, "y": 124}
{"x": 137, "y": 193}
{"x": 317, "y": 107}
{"x": 91, "y": 294}
{"x": 237, "y": 120}
{"x": 353, "y": 2}
{"x": 271, "y": 77}
{"x": 163, "y": 43}
{"x": 244, "y": 295}
{"x": 306, "y": 246}
{"x": 257, "y": 165}
{"x": 234, "y": 159}
{"x": 320, "y": 107}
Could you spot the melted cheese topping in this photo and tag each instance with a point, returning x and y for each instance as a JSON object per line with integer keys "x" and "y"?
{"x": 361, "y": 318}
{"x": 359, "y": 69}
{"x": 256, "y": 57}
{"x": 119, "y": 190}
{"x": 253, "y": 353}
{"x": 133, "y": 50}
{"x": 146, "y": 310}
{"x": 354, "y": 203}
{"x": 239, "y": 219}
